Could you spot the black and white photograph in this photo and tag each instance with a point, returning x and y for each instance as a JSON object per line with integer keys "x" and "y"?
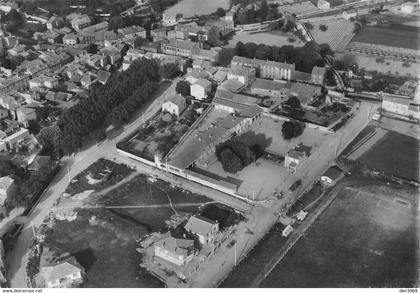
{"x": 210, "y": 145}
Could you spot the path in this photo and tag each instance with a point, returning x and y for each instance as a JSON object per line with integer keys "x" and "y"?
{"x": 294, "y": 238}
{"x": 167, "y": 205}
{"x": 16, "y": 260}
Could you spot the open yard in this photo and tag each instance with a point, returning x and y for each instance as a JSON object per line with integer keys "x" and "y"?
{"x": 98, "y": 176}
{"x": 103, "y": 235}
{"x": 262, "y": 178}
{"x": 365, "y": 238}
{"x": 158, "y": 136}
{"x": 390, "y": 66}
{"x": 273, "y": 38}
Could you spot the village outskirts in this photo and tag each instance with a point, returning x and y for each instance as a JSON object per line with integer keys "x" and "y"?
{"x": 170, "y": 143}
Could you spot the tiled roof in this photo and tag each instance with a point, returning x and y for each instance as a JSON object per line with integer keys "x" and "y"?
{"x": 199, "y": 225}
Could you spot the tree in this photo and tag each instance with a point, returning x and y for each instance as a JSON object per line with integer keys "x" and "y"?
{"x": 115, "y": 23}
{"x": 291, "y": 129}
{"x": 235, "y": 155}
{"x": 230, "y": 161}
{"x": 293, "y": 102}
{"x": 7, "y": 167}
{"x": 323, "y": 27}
{"x": 138, "y": 42}
{"x": 92, "y": 48}
{"x": 325, "y": 50}
{"x": 14, "y": 15}
{"x": 118, "y": 116}
{"x": 308, "y": 25}
{"x": 169, "y": 70}
{"x": 288, "y": 27}
{"x": 49, "y": 137}
{"x": 213, "y": 36}
{"x": 225, "y": 56}
{"x": 183, "y": 88}
{"x": 220, "y": 12}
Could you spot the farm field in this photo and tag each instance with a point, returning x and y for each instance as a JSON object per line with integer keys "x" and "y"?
{"x": 365, "y": 238}
{"x": 104, "y": 232}
{"x": 338, "y": 34}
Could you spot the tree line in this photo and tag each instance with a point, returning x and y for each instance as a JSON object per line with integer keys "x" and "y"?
{"x": 112, "y": 103}
{"x": 304, "y": 58}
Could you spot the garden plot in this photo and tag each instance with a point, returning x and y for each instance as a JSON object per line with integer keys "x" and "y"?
{"x": 338, "y": 34}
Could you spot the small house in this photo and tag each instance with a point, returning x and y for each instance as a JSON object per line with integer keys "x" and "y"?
{"x": 349, "y": 14}
{"x": 7, "y": 189}
{"x": 175, "y": 105}
{"x": 63, "y": 275}
{"x": 205, "y": 229}
{"x": 331, "y": 176}
{"x": 323, "y": 5}
{"x": 293, "y": 159}
{"x": 200, "y": 89}
{"x": 176, "y": 251}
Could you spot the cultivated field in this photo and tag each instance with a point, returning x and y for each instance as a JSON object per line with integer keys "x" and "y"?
{"x": 338, "y": 34}
{"x": 366, "y": 238}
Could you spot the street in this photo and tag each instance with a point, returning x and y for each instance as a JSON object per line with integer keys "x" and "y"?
{"x": 261, "y": 218}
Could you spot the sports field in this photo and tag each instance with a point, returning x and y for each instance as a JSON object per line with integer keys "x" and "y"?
{"x": 395, "y": 35}
{"x": 366, "y": 238}
{"x": 395, "y": 154}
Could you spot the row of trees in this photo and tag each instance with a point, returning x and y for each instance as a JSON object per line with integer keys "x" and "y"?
{"x": 129, "y": 89}
{"x": 305, "y": 58}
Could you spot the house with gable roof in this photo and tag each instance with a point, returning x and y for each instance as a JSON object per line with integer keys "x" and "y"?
{"x": 63, "y": 275}
{"x": 175, "y": 105}
{"x": 205, "y": 229}
{"x": 175, "y": 251}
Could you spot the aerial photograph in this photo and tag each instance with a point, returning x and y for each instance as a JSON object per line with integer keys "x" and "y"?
{"x": 208, "y": 144}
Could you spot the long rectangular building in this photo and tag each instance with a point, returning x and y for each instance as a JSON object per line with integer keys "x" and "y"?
{"x": 266, "y": 69}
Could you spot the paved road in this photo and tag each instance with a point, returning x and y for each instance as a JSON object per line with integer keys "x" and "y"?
{"x": 262, "y": 218}
{"x": 212, "y": 272}
{"x": 16, "y": 270}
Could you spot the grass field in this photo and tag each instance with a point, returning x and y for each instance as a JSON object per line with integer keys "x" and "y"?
{"x": 366, "y": 238}
{"x": 241, "y": 277}
{"x": 395, "y": 35}
{"x": 98, "y": 173}
{"x": 396, "y": 154}
{"x": 103, "y": 240}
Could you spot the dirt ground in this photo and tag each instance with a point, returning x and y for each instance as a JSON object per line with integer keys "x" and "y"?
{"x": 366, "y": 238}
{"x": 261, "y": 179}
{"x": 103, "y": 235}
